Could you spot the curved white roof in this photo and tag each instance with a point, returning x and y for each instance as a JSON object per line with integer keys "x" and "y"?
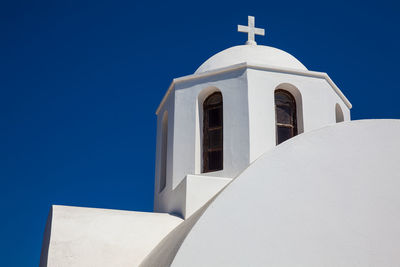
{"x": 329, "y": 197}
{"x": 256, "y": 54}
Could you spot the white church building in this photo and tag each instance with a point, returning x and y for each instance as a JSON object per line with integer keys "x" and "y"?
{"x": 258, "y": 164}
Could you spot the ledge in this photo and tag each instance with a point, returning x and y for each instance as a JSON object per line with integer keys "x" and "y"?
{"x": 249, "y": 65}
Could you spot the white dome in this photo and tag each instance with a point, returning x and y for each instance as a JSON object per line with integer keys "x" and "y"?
{"x": 258, "y": 54}
{"x": 322, "y": 198}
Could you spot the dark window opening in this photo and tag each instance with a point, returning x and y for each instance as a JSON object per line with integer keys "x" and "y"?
{"x": 285, "y": 112}
{"x": 164, "y": 145}
{"x": 213, "y": 133}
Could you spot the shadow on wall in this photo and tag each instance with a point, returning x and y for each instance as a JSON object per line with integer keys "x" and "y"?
{"x": 339, "y": 113}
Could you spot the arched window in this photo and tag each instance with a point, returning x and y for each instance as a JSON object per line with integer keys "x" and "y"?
{"x": 339, "y": 113}
{"x": 285, "y": 112}
{"x": 213, "y": 133}
{"x": 164, "y": 145}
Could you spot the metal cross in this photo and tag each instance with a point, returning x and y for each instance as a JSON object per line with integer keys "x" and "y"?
{"x": 251, "y": 31}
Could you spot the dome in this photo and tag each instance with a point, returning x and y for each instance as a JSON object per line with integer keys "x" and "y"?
{"x": 255, "y": 54}
{"x": 336, "y": 205}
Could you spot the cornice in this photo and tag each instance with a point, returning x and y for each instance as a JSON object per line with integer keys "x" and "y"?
{"x": 249, "y": 65}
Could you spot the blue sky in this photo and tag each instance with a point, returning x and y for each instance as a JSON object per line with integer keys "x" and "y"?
{"x": 80, "y": 82}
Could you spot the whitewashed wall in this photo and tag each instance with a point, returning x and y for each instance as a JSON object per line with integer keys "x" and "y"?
{"x": 185, "y": 139}
{"x": 82, "y": 237}
{"x": 248, "y": 120}
{"x": 315, "y": 100}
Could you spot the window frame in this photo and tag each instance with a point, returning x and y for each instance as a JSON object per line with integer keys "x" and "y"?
{"x": 164, "y": 152}
{"x": 292, "y": 126}
{"x": 207, "y": 130}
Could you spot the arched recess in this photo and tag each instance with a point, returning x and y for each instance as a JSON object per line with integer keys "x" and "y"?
{"x": 299, "y": 103}
{"x": 210, "y": 130}
{"x": 164, "y": 149}
{"x": 288, "y": 112}
{"x": 339, "y": 113}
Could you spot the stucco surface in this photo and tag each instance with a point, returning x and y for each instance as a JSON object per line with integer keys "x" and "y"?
{"x": 260, "y": 54}
{"x": 99, "y": 237}
{"x": 163, "y": 254}
{"x": 249, "y": 119}
{"x": 329, "y": 197}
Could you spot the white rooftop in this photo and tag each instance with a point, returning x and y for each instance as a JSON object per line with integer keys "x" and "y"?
{"x": 255, "y": 54}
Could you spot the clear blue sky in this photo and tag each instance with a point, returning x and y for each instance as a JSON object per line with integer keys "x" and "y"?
{"x": 80, "y": 82}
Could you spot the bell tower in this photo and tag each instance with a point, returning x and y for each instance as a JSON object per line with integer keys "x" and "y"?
{"x": 238, "y": 105}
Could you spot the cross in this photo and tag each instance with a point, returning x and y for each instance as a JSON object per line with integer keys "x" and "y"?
{"x": 251, "y": 31}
